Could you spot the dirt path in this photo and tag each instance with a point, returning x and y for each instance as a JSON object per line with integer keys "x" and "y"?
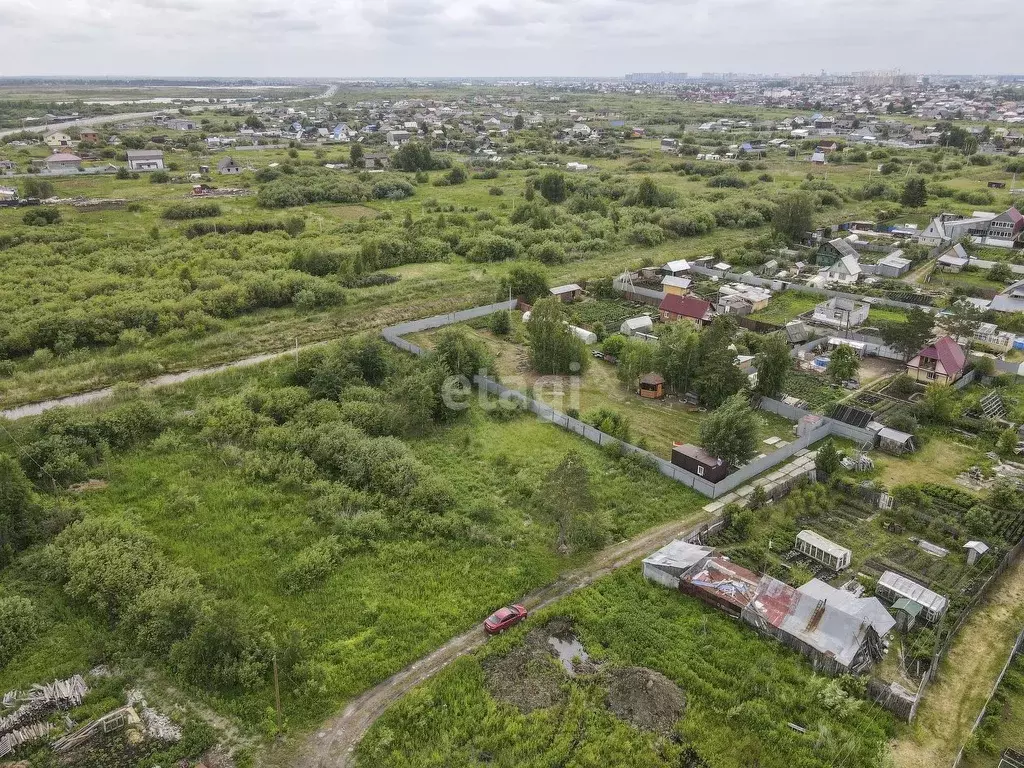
{"x": 966, "y": 677}
{"x": 331, "y": 746}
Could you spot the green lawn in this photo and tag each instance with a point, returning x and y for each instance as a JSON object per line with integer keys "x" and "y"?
{"x": 786, "y": 306}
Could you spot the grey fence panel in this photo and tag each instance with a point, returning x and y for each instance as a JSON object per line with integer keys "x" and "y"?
{"x": 965, "y": 380}
{"x": 780, "y": 408}
{"x": 858, "y": 435}
{"x": 755, "y": 468}
{"x": 450, "y": 318}
{"x": 623, "y": 287}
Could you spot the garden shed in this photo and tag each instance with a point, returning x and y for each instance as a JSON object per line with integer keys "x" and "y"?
{"x": 695, "y": 459}
{"x": 668, "y": 564}
{"x": 975, "y": 550}
{"x": 826, "y": 552}
{"x": 907, "y": 612}
{"x": 895, "y": 442}
{"x": 567, "y": 293}
{"x": 652, "y": 386}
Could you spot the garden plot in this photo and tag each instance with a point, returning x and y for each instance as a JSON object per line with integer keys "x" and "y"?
{"x": 654, "y": 424}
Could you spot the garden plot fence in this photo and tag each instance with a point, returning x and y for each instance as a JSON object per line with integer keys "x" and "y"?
{"x": 394, "y": 334}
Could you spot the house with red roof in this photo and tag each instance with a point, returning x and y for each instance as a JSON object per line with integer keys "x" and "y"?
{"x": 674, "y": 307}
{"x": 944, "y": 362}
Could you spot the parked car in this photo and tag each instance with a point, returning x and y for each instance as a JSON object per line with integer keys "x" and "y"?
{"x": 503, "y": 618}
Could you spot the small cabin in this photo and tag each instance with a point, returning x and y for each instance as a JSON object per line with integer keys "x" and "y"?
{"x": 975, "y": 551}
{"x": 699, "y": 462}
{"x": 567, "y": 293}
{"x": 652, "y": 386}
{"x": 907, "y": 612}
{"x": 826, "y": 552}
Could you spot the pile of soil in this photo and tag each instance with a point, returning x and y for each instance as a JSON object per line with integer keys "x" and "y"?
{"x": 527, "y": 677}
{"x": 645, "y": 699}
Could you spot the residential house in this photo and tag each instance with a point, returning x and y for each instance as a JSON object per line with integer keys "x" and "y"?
{"x": 181, "y": 124}
{"x": 228, "y": 167}
{"x": 680, "y": 286}
{"x": 846, "y": 270}
{"x": 379, "y": 162}
{"x": 697, "y": 311}
{"x": 944, "y": 362}
{"x": 953, "y": 260}
{"x": 63, "y": 161}
{"x": 398, "y": 138}
{"x": 985, "y": 227}
{"x": 697, "y": 461}
{"x": 818, "y": 158}
{"x": 145, "y": 160}
{"x": 841, "y": 313}
{"x": 581, "y": 130}
{"x": 58, "y": 140}
{"x": 831, "y": 251}
{"x": 567, "y": 293}
{"x": 1006, "y": 226}
{"x": 7, "y": 194}
{"x": 669, "y": 145}
{"x": 1010, "y": 299}
{"x": 91, "y": 136}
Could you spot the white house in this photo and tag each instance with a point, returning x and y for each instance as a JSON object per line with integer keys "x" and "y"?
{"x": 145, "y": 160}
{"x": 845, "y": 270}
{"x": 58, "y": 140}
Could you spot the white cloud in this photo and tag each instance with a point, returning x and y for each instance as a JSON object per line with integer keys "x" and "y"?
{"x": 353, "y": 38}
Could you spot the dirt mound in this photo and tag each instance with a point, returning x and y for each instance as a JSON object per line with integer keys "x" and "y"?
{"x": 645, "y": 698}
{"x": 526, "y": 676}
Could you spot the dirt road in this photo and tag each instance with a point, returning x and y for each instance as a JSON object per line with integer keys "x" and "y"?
{"x": 331, "y": 746}
{"x": 966, "y": 677}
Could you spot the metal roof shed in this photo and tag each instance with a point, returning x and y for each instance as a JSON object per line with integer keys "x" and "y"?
{"x": 826, "y": 552}
{"x": 667, "y": 564}
{"x": 892, "y": 586}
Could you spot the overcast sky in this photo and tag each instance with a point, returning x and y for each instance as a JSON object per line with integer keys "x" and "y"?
{"x": 358, "y": 38}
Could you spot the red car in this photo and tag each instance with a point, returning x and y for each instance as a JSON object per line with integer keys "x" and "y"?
{"x": 503, "y": 618}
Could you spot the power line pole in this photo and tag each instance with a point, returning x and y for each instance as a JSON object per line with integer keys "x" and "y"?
{"x": 277, "y": 695}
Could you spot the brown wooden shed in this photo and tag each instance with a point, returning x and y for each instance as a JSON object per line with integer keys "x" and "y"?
{"x": 652, "y": 385}
{"x": 695, "y": 459}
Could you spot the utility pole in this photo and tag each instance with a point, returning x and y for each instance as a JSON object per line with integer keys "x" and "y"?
{"x": 277, "y": 695}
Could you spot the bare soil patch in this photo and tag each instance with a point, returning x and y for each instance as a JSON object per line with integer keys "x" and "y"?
{"x": 527, "y": 677}
{"x": 645, "y": 699}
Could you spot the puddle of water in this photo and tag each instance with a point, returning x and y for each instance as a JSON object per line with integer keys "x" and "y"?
{"x": 567, "y": 650}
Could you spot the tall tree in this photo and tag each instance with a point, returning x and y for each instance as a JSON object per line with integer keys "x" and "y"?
{"x": 554, "y": 348}
{"x": 915, "y": 192}
{"x": 518, "y": 122}
{"x": 552, "y": 187}
{"x": 528, "y": 282}
{"x": 962, "y": 322}
{"x": 794, "y": 215}
{"x": 355, "y": 156}
{"x": 636, "y": 359}
{"x": 566, "y": 499}
{"x": 773, "y": 363}
{"x": 907, "y": 338}
{"x": 718, "y": 376}
{"x": 730, "y": 431}
{"x": 843, "y": 364}
{"x": 676, "y": 358}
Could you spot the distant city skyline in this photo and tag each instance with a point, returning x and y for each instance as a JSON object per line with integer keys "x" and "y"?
{"x": 499, "y": 38}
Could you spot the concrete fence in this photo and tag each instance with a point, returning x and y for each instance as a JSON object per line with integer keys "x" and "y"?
{"x": 393, "y": 335}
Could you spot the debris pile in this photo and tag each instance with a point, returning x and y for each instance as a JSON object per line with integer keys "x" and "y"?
{"x": 157, "y": 725}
